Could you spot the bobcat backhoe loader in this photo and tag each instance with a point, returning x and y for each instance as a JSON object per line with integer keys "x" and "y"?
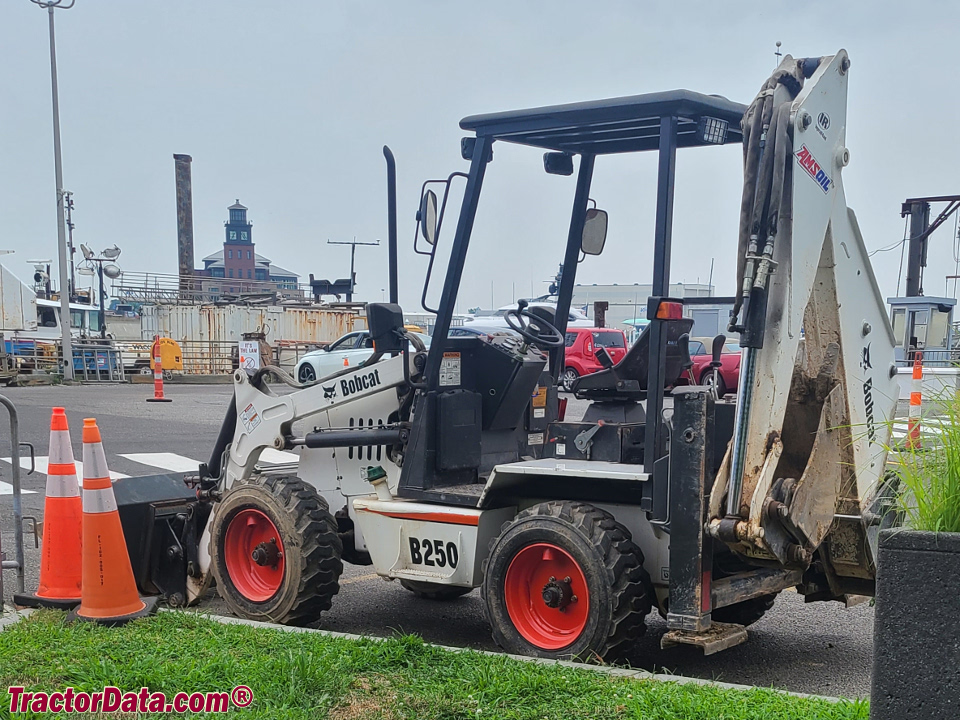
{"x": 455, "y": 468}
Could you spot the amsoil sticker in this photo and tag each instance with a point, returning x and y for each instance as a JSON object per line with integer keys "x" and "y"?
{"x": 450, "y": 369}
{"x": 809, "y": 163}
{"x": 250, "y": 418}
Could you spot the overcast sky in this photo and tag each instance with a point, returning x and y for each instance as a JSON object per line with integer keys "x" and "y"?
{"x": 286, "y": 106}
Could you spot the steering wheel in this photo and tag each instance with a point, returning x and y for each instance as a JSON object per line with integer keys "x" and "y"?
{"x": 542, "y": 333}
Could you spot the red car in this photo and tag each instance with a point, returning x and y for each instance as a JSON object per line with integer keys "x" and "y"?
{"x": 700, "y": 349}
{"x": 581, "y": 348}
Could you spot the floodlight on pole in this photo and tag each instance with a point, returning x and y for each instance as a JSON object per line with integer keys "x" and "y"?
{"x": 66, "y": 339}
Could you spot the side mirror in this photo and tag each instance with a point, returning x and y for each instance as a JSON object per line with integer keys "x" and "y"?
{"x": 594, "y": 232}
{"x": 385, "y": 322}
{"x": 428, "y": 216}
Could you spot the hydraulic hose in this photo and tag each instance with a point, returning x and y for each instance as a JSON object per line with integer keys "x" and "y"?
{"x": 768, "y": 157}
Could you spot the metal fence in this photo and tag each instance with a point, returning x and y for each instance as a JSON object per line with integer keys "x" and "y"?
{"x": 92, "y": 362}
{"x": 933, "y": 358}
{"x": 209, "y": 357}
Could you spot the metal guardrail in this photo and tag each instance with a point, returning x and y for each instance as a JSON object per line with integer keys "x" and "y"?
{"x": 933, "y": 358}
{"x": 92, "y": 362}
{"x": 209, "y": 357}
{"x": 141, "y": 287}
{"x": 97, "y": 363}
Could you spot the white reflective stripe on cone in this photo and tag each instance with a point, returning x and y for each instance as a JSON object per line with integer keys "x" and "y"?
{"x": 94, "y": 461}
{"x": 61, "y": 451}
{"x": 99, "y": 501}
{"x": 62, "y": 486}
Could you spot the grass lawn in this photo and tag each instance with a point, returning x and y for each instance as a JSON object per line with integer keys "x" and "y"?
{"x": 307, "y": 675}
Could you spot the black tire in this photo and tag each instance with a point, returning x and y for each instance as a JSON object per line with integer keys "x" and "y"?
{"x": 612, "y": 566}
{"x": 307, "y": 374}
{"x": 707, "y": 379}
{"x": 744, "y": 613}
{"x": 434, "y": 591}
{"x": 569, "y": 377}
{"x": 311, "y": 549}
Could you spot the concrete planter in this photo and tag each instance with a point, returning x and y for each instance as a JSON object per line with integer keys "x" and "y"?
{"x": 916, "y": 639}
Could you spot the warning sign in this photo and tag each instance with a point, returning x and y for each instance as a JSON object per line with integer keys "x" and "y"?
{"x": 249, "y": 355}
{"x": 540, "y": 398}
{"x": 450, "y": 370}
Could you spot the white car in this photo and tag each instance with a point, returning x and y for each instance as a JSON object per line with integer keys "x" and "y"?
{"x": 575, "y": 318}
{"x": 348, "y": 351}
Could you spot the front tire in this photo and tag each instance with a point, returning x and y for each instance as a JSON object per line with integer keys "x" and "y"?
{"x": 434, "y": 591}
{"x": 565, "y": 580}
{"x": 570, "y": 376}
{"x": 307, "y": 373}
{"x": 275, "y": 550}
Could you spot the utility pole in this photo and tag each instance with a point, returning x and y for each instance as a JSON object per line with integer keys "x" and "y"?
{"x": 66, "y": 339}
{"x": 353, "y": 254}
{"x": 68, "y": 199}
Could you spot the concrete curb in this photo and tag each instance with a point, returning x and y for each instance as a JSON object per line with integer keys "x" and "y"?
{"x": 603, "y": 669}
{"x": 10, "y": 619}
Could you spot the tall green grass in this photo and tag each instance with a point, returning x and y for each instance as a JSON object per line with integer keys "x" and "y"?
{"x": 930, "y": 476}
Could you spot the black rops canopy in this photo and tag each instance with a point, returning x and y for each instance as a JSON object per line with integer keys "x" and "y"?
{"x": 616, "y": 125}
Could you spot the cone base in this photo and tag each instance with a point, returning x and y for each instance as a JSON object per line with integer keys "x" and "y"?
{"x": 38, "y": 601}
{"x": 155, "y": 399}
{"x": 150, "y": 608}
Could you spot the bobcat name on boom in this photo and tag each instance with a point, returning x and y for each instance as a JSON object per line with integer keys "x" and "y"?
{"x": 361, "y": 382}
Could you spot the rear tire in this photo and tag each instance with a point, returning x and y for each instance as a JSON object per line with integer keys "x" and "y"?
{"x": 565, "y": 580}
{"x": 569, "y": 377}
{"x": 290, "y": 526}
{"x": 434, "y": 591}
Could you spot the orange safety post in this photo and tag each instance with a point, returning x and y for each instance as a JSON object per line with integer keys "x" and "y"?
{"x": 157, "y": 374}
{"x": 916, "y": 400}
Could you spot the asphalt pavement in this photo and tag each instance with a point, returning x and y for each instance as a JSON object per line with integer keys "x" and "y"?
{"x": 822, "y": 648}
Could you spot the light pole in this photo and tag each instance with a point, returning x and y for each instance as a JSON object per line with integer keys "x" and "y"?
{"x": 66, "y": 339}
{"x": 353, "y": 254}
{"x": 112, "y": 271}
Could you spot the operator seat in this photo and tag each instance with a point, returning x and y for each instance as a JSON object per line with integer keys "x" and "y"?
{"x": 627, "y": 380}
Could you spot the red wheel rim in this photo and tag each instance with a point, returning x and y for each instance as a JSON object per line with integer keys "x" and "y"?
{"x": 251, "y": 530}
{"x": 546, "y": 596}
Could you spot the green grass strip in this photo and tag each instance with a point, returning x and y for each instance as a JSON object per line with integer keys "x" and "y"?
{"x": 309, "y": 675}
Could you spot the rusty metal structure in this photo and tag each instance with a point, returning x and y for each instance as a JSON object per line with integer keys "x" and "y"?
{"x": 184, "y": 222}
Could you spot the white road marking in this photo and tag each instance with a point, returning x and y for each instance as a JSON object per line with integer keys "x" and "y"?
{"x": 7, "y": 489}
{"x": 279, "y": 457}
{"x": 164, "y": 461}
{"x": 43, "y": 461}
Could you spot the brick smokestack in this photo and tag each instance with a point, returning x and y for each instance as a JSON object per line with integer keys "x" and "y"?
{"x": 184, "y": 224}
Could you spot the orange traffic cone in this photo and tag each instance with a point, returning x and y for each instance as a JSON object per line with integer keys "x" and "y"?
{"x": 109, "y": 592}
{"x": 346, "y": 362}
{"x": 60, "y": 558}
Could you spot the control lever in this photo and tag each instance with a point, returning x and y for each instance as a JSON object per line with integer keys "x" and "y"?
{"x": 584, "y": 440}
{"x": 604, "y": 358}
{"x": 686, "y": 362}
{"x": 718, "y": 342}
